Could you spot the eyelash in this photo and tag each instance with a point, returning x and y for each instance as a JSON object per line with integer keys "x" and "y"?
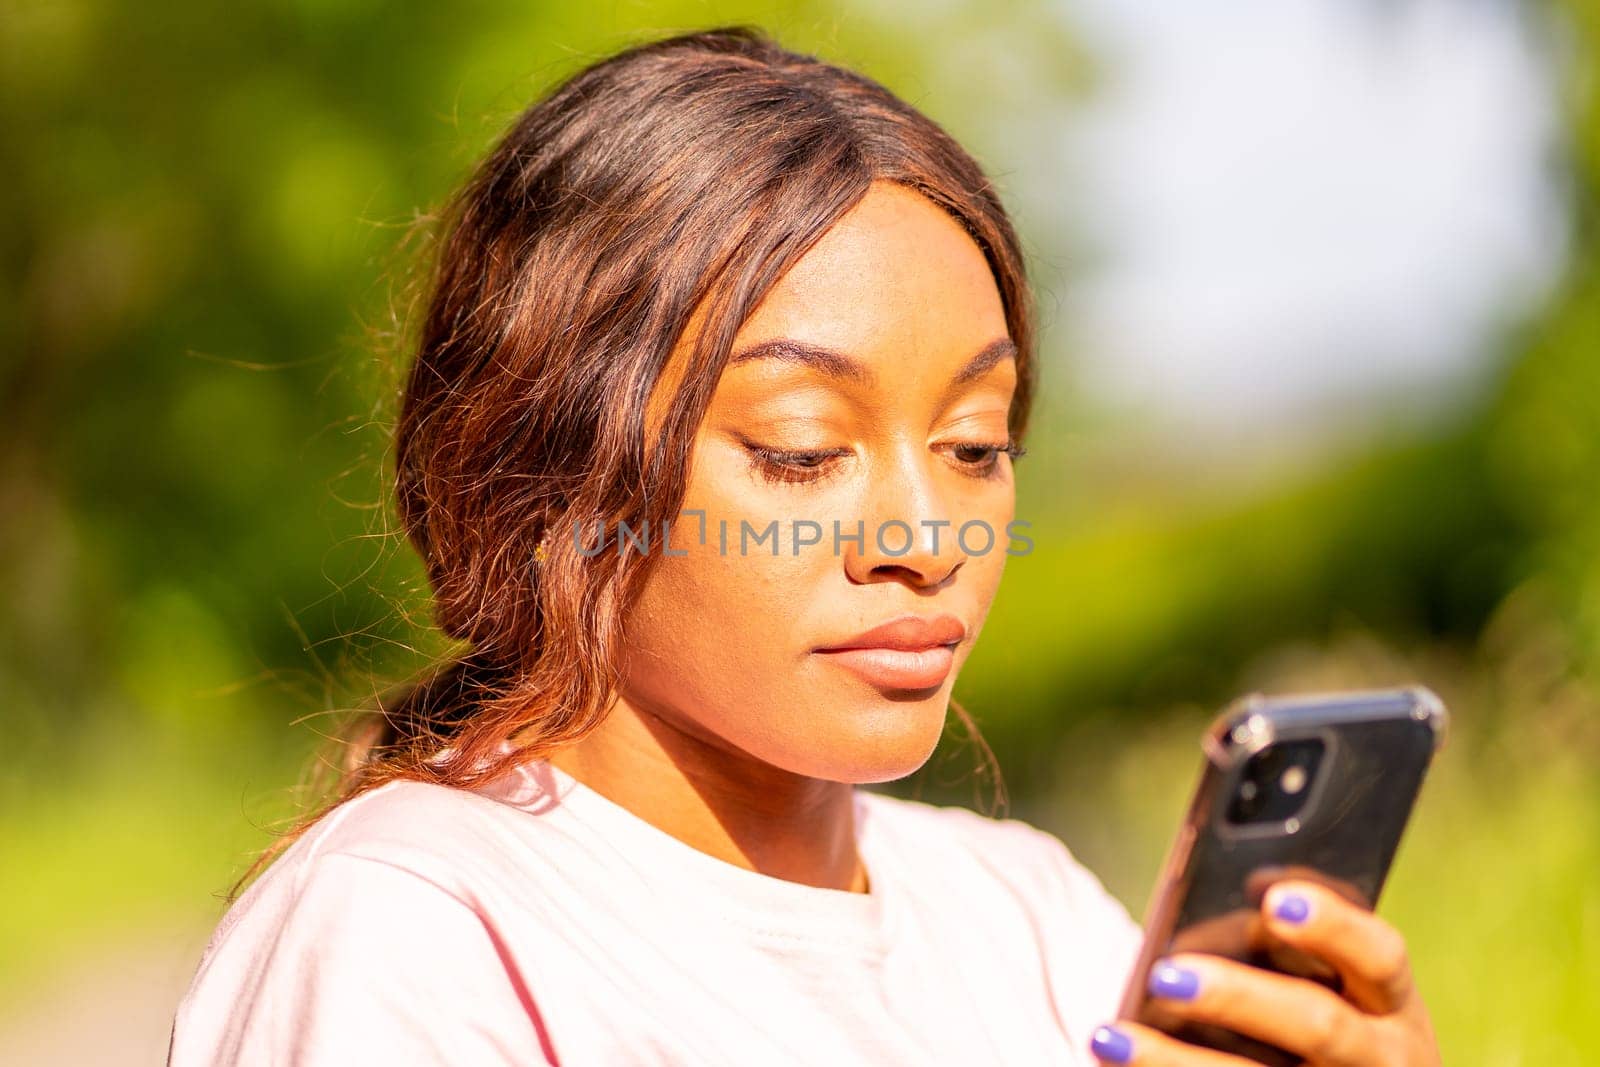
{"x": 789, "y": 466}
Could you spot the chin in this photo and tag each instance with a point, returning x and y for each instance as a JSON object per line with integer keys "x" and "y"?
{"x": 880, "y": 737}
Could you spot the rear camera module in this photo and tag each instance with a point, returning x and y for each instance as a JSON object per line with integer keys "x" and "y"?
{"x": 1274, "y": 783}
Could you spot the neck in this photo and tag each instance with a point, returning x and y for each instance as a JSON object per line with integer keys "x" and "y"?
{"x": 720, "y": 800}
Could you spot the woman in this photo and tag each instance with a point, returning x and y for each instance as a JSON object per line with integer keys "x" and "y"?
{"x": 708, "y": 450}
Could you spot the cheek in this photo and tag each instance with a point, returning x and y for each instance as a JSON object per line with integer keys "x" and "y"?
{"x": 722, "y": 620}
{"x": 988, "y": 559}
{"x": 987, "y": 506}
{"x": 988, "y": 513}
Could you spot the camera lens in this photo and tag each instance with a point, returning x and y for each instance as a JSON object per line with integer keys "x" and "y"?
{"x": 1248, "y": 798}
{"x": 1274, "y": 783}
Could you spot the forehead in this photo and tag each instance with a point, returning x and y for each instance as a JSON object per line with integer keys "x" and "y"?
{"x": 895, "y": 279}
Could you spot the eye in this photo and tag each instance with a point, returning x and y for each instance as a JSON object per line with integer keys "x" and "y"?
{"x": 793, "y": 465}
{"x": 983, "y": 460}
{"x": 780, "y": 465}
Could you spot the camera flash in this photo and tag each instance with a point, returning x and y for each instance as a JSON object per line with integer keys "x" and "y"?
{"x": 1293, "y": 780}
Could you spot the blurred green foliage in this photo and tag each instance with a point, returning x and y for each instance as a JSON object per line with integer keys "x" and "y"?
{"x": 207, "y": 211}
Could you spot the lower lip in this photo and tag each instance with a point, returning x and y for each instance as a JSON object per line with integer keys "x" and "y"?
{"x": 893, "y": 668}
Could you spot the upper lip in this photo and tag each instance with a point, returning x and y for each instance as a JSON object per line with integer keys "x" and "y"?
{"x": 907, "y": 633}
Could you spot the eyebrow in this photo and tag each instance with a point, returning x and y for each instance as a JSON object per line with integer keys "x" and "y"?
{"x": 836, "y": 364}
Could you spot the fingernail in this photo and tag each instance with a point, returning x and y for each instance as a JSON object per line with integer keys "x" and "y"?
{"x": 1292, "y": 908}
{"x": 1168, "y": 980}
{"x": 1111, "y": 1044}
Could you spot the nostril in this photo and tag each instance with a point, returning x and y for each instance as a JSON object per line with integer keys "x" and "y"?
{"x": 921, "y": 579}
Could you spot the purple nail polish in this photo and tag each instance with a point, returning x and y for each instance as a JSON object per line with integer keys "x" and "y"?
{"x": 1111, "y": 1044}
{"x": 1292, "y": 908}
{"x": 1167, "y": 980}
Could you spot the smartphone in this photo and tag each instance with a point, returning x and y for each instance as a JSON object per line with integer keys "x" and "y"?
{"x": 1316, "y": 786}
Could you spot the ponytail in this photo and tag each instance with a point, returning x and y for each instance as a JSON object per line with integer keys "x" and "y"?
{"x": 427, "y": 714}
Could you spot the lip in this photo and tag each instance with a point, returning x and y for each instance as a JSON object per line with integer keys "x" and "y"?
{"x": 909, "y": 652}
{"x": 906, "y": 633}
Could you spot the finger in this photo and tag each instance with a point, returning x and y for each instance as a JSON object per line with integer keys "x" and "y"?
{"x": 1296, "y": 1015}
{"x": 1126, "y": 1042}
{"x": 1369, "y": 954}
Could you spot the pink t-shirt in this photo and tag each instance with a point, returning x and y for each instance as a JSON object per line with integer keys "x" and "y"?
{"x": 535, "y": 921}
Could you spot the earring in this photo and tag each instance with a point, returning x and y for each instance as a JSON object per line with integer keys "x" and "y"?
{"x": 542, "y": 549}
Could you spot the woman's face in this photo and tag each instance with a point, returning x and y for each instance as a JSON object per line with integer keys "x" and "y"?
{"x": 870, "y": 390}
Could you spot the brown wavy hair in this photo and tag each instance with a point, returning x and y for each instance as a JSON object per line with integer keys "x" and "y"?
{"x": 675, "y": 180}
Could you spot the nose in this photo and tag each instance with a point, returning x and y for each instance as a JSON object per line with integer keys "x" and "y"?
{"x": 907, "y": 529}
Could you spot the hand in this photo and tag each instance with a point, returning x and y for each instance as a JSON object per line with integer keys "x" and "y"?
{"x": 1378, "y": 1021}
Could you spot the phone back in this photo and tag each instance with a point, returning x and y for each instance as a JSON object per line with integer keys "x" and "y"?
{"x": 1313, "y": 786}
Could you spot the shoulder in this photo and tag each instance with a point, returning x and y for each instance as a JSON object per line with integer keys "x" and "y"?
{"x": 1085, "y": 939}
{"x": 402, "y": 815}
{"x": 403, "y": 849}
{"x": 972, "y": 854}
{"x": 1010, "y": 849}
{"x": 400, "y": 824}
{"x": 400, "y": 843}
{"x": 364, "y": 925}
